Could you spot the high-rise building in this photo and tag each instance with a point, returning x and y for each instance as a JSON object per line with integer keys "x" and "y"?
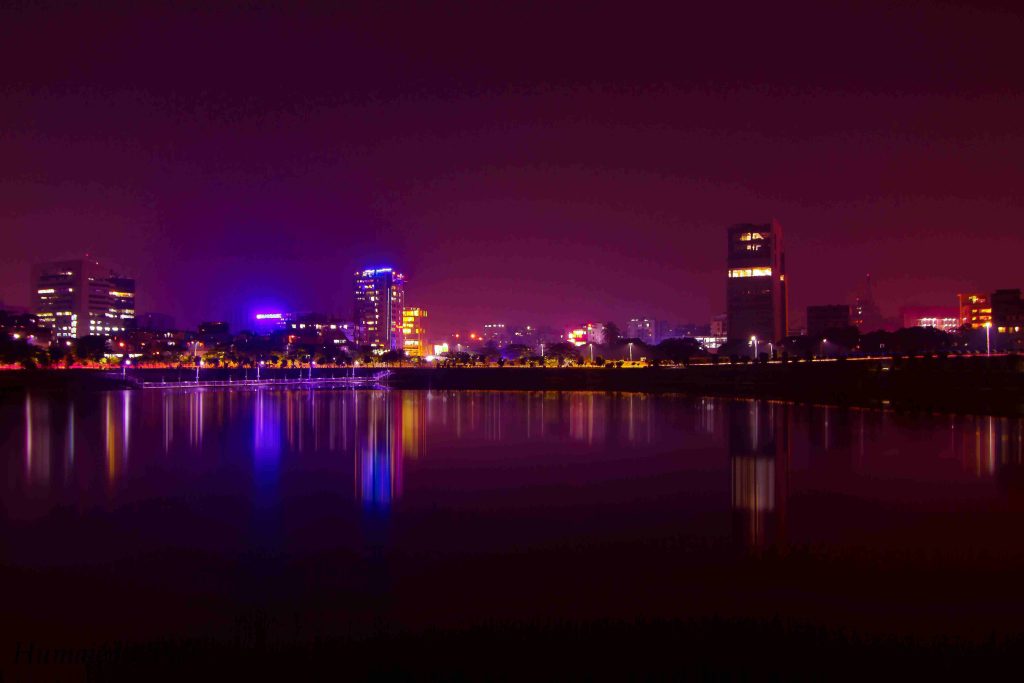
{"x": 414, "y": 332}
{"x": 975, "y": 310}
{"x": 379, "y": 300}
{"x": 756, "y": 301}
{"x": 82, "y": 297}
{"x": 823, "y": 318}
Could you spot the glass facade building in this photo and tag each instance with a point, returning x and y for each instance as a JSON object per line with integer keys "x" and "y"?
{"x": 379, "y": 302}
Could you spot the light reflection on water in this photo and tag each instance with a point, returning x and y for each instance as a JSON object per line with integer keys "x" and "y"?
{"x": 373, "y": 438}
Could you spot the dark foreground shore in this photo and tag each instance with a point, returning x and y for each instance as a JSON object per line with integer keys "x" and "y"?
{"x": 967, "y": 385}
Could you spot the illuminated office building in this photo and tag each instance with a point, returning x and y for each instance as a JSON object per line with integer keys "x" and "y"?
{"x": 975, "y": 310}
{"x": 756, "y": 299}
{"x": 379, "y": 300}
{"x": 414, "y": 332}
{"x": 82, "y": 297}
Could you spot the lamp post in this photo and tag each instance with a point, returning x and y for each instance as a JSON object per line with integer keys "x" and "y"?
{"x": 822, "y": 352}
{"x": 199, "y": 364}
{"x": 988, "y": 339}
{"x": 311, "y": 364}
{"x": 630, "y": 352}
{"x": 124, "y": 367}
{"x": 258, "y": 371}
{"x": 542, "y": 354}
{"x": 591, "y": 353}
{"x": 753, "y": 342}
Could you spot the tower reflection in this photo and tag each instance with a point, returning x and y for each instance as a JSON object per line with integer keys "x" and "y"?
{"x": 379, "y": 446}
{"x": 759, "y": 448}
{"x": 117, "y": 432}
{"x": 38, "y": 430}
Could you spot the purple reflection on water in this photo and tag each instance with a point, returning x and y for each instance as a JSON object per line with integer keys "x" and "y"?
{"x": 433, "y": 508}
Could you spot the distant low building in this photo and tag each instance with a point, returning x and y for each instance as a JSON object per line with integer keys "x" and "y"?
{"x": 588, "y": 333}
{"x": 1007, "y": 311}
{"x": 496, "y": 333}
{"x": 644, "y": 329}
{"x": 719, "y": 325}
{"x": 155, "y": 322}
{"x": 829, "y": 317}
{"x": 945, "y": 318}
{"x": 214, "y": 332}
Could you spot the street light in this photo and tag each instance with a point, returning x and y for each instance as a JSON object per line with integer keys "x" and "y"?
{"x": 753, "y": 342}
{"x": 124, "y": 367}
{"x": 199, "y": 364}
{"x": 823, "y": 342}
{"x": 591, "y": 354}
{"x": 258, "y": 371}
{"x": 630, "y": 352}
{"x": 988, "y": 339}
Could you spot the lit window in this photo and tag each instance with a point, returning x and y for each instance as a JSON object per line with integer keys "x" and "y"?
{"x": 750, "y": 272}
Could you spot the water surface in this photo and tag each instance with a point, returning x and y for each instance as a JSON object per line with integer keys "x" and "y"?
{"x": 308, "y": 514}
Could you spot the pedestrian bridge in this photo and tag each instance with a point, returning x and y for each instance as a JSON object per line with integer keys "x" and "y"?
{"x": 378, "y": 379}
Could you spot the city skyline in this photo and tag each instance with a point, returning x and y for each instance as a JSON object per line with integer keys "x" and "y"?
{"x": 526, "y": 185}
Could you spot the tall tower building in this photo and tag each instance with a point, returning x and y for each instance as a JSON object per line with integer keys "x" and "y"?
{"x": 866, "y": 316}
{"x": 379, "y": 300}
{"x": 82, "y": 297}
{"x": 756, "y": 301}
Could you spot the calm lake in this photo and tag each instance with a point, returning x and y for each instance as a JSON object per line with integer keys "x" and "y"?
{"x": 289, "y": 516}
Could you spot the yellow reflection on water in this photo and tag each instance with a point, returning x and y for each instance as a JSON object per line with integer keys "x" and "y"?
{"x": 117, "y": 416}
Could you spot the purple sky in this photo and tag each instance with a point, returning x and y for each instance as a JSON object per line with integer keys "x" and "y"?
{"x": 526, "y": 164}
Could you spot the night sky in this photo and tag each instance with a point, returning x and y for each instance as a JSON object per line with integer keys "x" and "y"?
{"x": 524, "y": 164}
